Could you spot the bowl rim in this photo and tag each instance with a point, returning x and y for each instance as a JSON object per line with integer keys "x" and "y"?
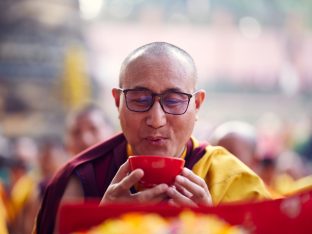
{"x": 157, "y": 157}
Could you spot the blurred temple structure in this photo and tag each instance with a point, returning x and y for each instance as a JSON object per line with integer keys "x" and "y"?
{"x": 252, "y": 58}
{"x": 42, "y": 64}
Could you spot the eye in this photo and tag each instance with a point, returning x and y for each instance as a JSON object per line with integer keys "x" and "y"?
{"x": 171, "y": 102}
{"x": 173, "y": 99}
{"x": 139, "y": 98}
{"x": 143, "y": 100}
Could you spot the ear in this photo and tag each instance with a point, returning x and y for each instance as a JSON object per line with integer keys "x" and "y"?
{"x": 116, "y": 95}
{"x": 199, "y": 98}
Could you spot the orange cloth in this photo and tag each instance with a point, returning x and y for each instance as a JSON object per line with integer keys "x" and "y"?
{"x": 3, "y": 212}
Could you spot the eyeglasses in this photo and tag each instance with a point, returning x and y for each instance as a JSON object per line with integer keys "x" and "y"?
{"x": 142, "y": 100}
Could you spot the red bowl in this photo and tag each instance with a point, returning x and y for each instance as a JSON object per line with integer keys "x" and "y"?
{"x": 157, "y": 169}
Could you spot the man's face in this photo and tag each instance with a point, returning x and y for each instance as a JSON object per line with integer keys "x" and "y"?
{"x": 85, "y": 131}
{"x": 154, "y": 132}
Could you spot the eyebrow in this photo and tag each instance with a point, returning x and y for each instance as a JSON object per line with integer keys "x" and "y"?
{"x": 167, "y": 90}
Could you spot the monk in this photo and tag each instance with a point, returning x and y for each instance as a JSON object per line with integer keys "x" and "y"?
{"x": 240, "y": 139}
{"x": 85, "y": 127}
{"x": 158, "y": 103}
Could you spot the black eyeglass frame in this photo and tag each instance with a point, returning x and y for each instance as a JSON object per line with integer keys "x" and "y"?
{"x": 160, "y": 95}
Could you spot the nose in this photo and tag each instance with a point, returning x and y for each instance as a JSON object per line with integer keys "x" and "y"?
{"x": 156, "y": 117}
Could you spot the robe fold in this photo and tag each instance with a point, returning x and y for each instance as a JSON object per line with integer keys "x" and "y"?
{"x": 228, "y": 179}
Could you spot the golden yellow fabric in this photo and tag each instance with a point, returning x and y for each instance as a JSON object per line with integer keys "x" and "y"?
{"x": 3, "y": 213}
{"x": 303, "y": 184}
{"x": 228, "y": 179}
{"x": 282, "y": 184}
{"x": 76, "y": 84}
{"x": 3, "y": 228}
{"x": 287, "y": 186}
{"x": 21, "y": 192}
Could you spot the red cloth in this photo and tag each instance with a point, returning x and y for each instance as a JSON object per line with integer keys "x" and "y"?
{"x": 287, "y": 216}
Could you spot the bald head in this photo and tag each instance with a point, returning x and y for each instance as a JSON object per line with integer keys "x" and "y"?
{"x": 152, "y": 53}
{"x": 159, "y": 70}
{"x": 237, "y": 137}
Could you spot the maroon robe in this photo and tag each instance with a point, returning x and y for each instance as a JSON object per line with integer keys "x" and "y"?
{"x": 95, "y": 168}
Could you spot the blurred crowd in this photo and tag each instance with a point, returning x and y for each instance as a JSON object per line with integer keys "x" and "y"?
{"x": 271, "y": 150}
{"x": 27, "y": 164}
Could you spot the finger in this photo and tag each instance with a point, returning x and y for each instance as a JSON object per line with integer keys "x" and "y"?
{"x": 183, "y": 191}
{"x": 184, "y": 182}
{"x": 121, "y": 173}
{"x": 129, "y": 180}
{"x": 179, "y": 199}
{"x": 193, "y": 177}
{"x": 153, "y": 195}
{"x": 200, "y": 192}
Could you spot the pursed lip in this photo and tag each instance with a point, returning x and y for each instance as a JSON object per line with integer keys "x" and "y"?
{"x": 156, "y": 140}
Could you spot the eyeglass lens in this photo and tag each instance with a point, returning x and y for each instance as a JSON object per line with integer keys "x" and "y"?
{"x": 172, "y": 102}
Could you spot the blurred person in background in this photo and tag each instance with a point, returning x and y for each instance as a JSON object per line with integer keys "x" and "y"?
{"x": 23, "y": 181}
{"x": 268, "y": 171}
{"x": 3, "y": 183}
{"x": 240, "y": 139}
{"x": 304, "y": 148}
{"x": 4, "y": 159}
{"x": 86, "y": 127}
{"x": 283, "y": 170}
{"x": 292, "y": 174}
{"x": 158, "y": 105}
{"x": 51, "y": 157}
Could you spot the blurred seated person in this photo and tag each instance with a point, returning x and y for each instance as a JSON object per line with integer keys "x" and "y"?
{"x": 23, "y": 181}
{"x": 240, "y": 139}
{"x": 86, "y": 127}
{"x": 4, "y": 154}
{"x": 158, "y": 103}
{"x": 51, "y": 157}
{"x": 292, "y": 177}
{"x": 305, "y": 148}
{"x": 284, "y": 173}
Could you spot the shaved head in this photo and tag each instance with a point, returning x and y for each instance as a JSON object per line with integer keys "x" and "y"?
{"x": 159, "y": 69}
{"x": 239, "y": 138}
{"x": 153, "y": 52}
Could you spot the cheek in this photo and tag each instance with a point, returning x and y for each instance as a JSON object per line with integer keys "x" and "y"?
{"x": 183, "y": 126}
{"x": 130, "y": 123}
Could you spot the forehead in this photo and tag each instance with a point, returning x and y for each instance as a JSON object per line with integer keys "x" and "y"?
{"x": 159, "y": 73}
{"x": 89, "y": 117}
